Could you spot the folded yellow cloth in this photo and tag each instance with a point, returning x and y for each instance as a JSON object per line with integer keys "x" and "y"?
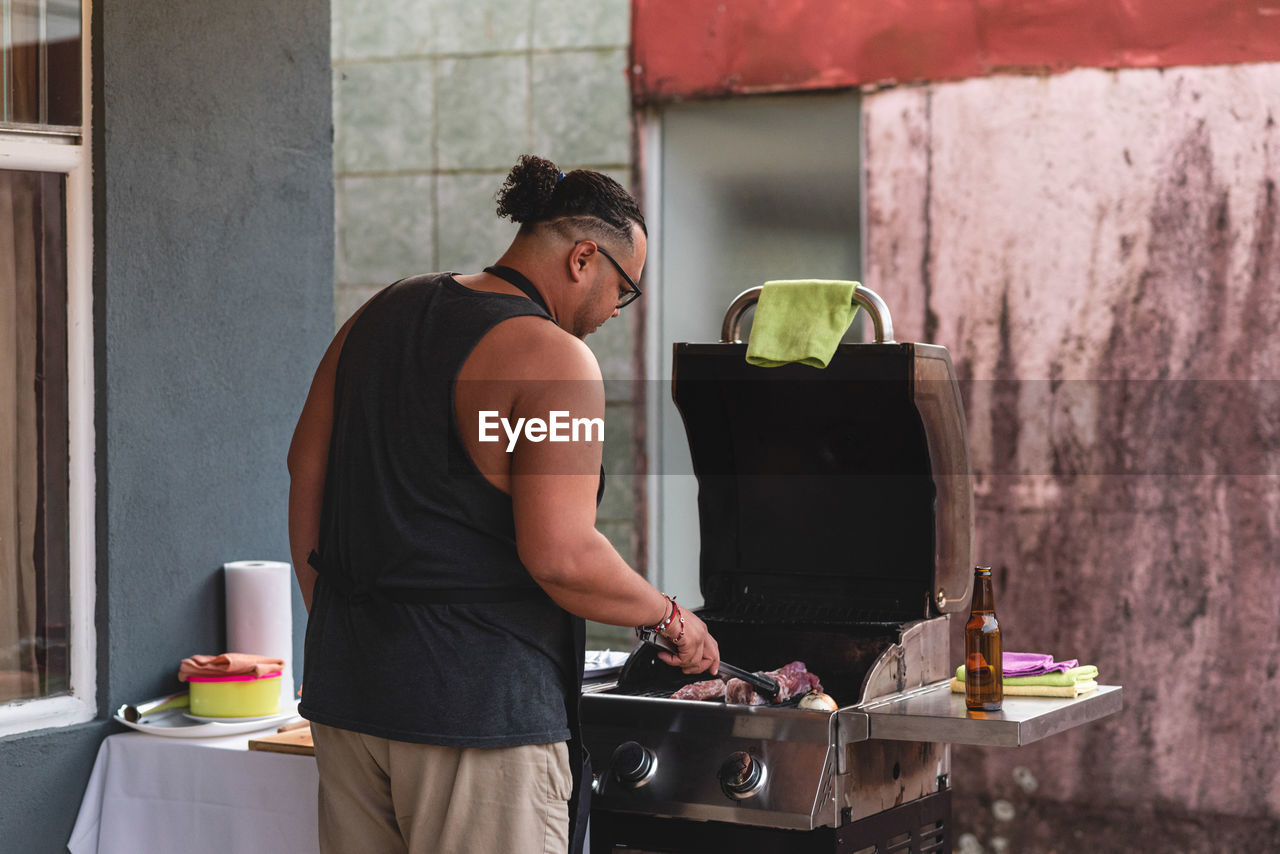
{"x": 1083, "y": 673}
{"x": 1073, "y": 690}
{"x": 800, "y": 320}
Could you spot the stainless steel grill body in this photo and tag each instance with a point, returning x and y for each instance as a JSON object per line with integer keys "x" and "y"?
{"x": 836, "y": 518}
{"x": 822, "y": 769}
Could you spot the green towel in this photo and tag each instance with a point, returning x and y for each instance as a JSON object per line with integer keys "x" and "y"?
{"x": 801, "y": 321}
{"x": 1083, "y": 673}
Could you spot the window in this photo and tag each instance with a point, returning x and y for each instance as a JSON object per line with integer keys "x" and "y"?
{"x": 47, "y": 639}
{"x": 41, "y": 63}
{"x": 747, "y": 190}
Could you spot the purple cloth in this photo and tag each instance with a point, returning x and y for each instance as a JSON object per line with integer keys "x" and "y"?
{"x": 1033, "y": 664}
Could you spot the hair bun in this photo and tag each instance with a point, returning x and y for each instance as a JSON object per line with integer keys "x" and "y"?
{"x": 527, "y": 191}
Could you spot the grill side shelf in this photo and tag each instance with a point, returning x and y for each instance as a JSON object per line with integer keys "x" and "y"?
{"x": 936, "y": 714}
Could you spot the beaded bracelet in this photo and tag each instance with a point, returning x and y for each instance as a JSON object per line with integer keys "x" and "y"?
{"x": 675, "y": 612}
{"x": 675, "y": 609}
{"x": 675, "y": 615}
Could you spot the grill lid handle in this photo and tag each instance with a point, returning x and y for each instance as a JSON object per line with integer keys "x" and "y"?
{"x": 730, "y": 331}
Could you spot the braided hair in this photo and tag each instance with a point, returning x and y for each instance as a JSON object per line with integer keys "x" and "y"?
{"x": 537, "y": 192}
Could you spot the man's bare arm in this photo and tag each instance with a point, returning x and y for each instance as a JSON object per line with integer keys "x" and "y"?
{"x": 553, "y": 493}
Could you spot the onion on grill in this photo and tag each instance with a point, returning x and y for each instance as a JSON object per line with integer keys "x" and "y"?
{"x": 818, "y": 701}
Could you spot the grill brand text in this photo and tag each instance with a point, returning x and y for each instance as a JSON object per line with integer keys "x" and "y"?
{"x": 558, "y": 427}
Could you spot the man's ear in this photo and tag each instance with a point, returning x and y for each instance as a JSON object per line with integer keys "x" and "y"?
{"x": 578, "y": 258}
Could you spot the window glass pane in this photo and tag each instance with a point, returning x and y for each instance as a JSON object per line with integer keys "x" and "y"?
{"x": 40, "y": 62}
{"x": 34, "y": 596}
{"x": 752, "y": 189}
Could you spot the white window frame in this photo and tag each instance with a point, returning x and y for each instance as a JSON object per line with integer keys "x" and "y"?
{"x": 42, "y": 151}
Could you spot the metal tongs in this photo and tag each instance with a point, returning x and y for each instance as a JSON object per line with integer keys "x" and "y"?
{"x": 764, "y": 685}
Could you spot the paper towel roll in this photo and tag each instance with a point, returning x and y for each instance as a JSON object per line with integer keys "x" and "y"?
{"x": 260, "y": 614}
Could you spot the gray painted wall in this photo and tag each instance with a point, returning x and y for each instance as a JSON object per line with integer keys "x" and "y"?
{"x": 213, "y": 296}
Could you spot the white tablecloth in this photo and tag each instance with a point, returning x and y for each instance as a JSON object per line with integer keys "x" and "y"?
{"x": 154, "y": 795}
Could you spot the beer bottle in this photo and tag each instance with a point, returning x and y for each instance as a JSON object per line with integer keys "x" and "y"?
{"x": 983, "y": 664}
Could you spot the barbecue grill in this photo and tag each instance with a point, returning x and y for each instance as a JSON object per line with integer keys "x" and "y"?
{"x": 836, "y": 519}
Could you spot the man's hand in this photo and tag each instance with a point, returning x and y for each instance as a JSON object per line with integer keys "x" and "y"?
{"x": 699, "y": 652}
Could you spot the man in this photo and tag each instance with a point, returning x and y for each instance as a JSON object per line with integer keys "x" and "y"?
{"x": 447, "y": 574}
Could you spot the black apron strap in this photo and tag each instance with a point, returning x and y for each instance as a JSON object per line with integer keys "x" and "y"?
{"x": 579, "y": 760}
{"x": 460, "y": 595}
{"x": 358, "y": 593}
{"x": 521, "y": 281}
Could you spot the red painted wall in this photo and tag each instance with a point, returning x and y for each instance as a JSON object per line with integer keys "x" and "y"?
{"x": 700, "y": 48}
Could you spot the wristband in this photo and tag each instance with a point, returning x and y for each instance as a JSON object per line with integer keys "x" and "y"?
{"x": 675, "y": 609}
{"x": 678, "y": 615}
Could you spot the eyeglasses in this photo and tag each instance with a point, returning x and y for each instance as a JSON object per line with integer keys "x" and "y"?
{"x": 634, "y": 290}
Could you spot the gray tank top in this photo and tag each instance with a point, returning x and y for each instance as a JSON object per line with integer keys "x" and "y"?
{"x": 425, "y": 626}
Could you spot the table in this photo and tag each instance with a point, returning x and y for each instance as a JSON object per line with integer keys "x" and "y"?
{"x": 150, "y": 793}
{"x": 938, "y": 713}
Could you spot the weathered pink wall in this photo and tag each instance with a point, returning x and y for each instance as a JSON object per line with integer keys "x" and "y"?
{"x": 697, "y": 48}
{"x": 1100, "y": 252}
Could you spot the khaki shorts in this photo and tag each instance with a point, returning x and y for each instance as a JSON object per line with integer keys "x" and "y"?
{"x": 378, "y": 795}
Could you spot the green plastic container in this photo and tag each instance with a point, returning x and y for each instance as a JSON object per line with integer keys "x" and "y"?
{"x": 235, "y": 696}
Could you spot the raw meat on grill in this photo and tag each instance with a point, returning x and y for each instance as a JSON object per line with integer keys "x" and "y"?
{"x": 793, "y": 680}
{"x": 711, "y": 689}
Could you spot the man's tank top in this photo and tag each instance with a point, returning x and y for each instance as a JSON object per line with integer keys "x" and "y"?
{"x": 425, "y": 626}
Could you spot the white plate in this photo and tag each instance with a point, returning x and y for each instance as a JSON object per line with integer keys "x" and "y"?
{"x": 603, "y": 662}
{"x": 177, "y": 723}
{"x": 208, "y": 720}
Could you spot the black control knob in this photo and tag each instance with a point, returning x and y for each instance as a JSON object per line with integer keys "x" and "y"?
{"x": 634, "y": 764}
{"x": 742, "y": 775}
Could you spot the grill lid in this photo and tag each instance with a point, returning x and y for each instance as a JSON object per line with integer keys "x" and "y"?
{"x": 842, "y": 494}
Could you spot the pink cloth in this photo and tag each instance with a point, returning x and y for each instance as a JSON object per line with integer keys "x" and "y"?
{"x": 229, "y": 664}
{"x": 1034, "y": 664}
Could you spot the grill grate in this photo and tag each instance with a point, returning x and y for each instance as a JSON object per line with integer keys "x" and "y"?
{"x": 840, "y": 655}
{"x": 790, "y": 702}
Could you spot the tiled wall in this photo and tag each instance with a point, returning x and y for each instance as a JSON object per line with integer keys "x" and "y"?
{"x": 433, "y": 102}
